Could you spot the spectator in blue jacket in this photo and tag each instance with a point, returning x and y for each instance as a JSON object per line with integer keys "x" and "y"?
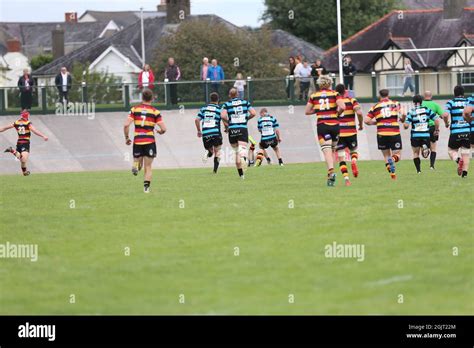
{"x": 216, "y": 74}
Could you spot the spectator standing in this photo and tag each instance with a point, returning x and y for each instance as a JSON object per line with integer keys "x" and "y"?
{"x": 25, "y": 84}
{"x": 216, "y": 74}
{"x": 305, "y": 75}
{"x": 203, "y": 74}
{"x": 63, "y": 82}
{"x": 317, "y": 69}
{"x": 240, "y": 84}
{"x": 299, "y": 65}
{"x": 291, "y": 72}
{"x": 349, "y": 70}
{"x": 146, "y": 78}
{"x": 408, "y": 84}
{"x": 173, "y": 74}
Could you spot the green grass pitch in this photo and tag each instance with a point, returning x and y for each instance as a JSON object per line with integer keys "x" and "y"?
{"x": 182, "y": 239}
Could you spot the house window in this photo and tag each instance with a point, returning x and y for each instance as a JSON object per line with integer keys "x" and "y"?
{"x": 395, "y": 84}
{"x": 467, "y": 79}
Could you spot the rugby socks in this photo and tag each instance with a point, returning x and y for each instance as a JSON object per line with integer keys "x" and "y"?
{"x": 432, "y": 159}
{"x": 146, "y": 184}
{"x": 396, "y": 158}
{"x": 387, "y": 165}
{"x": 417, "y": 162}
{"x": 216, "y": 164}
{"x": 354, "y": 156}
{"x": 23, "y": 169}
{"x": 464, "y": 173}
{"x": 280, "y": 161}
{"x": 209, "y": 154}
{"x": 330, "y": 172}
{"x": 241, "y": 172}
{"x": 343, "y": 167}
{"x": 269, "y": 160}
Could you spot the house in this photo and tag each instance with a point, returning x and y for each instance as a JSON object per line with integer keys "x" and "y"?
{"x": 439, "y": 71}
{"x": 120, "y": 52}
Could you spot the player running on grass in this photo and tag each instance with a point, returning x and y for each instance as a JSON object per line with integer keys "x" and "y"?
{"x": 468, "y": 117}
{"x": 145, "y": 118}
{"x": 24, "y": 128}
{"x": 419, "y": 119}
{"x": 235, "y": 114}
{"x": 385, "y": 115}
{"x": 348, "y": 133}
{"x": 327, "y": 105}
{"x": 437, "y": 109}
{"x": 459, "y": 145}
{"x": 270, "y": 136}
{"x": 208, "y": 125}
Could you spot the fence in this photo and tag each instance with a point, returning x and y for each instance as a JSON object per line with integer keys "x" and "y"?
{"x": 275, "y": 91}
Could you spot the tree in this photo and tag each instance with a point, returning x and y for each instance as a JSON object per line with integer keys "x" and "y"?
{"x": 39, "y": 60}
{"x": 316, "y": 21}
{"x": 250, "y": 53}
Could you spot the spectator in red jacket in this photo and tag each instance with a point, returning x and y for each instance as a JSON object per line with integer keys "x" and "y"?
{"x": 146, "y": 78}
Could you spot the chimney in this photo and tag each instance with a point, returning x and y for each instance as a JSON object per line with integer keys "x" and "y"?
{"x": 453, "y": 8}
{"x": 58, "y": 42}
{"x": 13, "y": 45}
{"x": 177, "y": 10}
{"x": 70, "y": 17}
{"x": 162, "y": 6}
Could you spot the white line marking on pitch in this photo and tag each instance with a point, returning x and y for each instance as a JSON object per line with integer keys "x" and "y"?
{"x": 402, "y": 278}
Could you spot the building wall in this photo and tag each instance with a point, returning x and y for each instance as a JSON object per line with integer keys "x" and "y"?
{"x": 113, "y": 64}
{"x": 16, "y": 61}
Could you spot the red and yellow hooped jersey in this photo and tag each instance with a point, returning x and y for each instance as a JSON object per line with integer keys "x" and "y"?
{"x": 145, "y": 117}
{"x": 23, "y": 129}
{"x": 347, "y": 121}
{"x": 324, "y": 103}
{"x": 386, "y": 112}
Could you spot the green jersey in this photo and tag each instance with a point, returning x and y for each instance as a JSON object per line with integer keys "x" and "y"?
{"x": 435, "y": 108}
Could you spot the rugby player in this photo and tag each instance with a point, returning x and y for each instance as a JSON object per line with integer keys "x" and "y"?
{"x": 208, "y": 125}
{"x": 327, "y": 105}
{"x": 468, "y": 116}
{"x": 145, "y": 118}
{"x": 459, "y": 145}
{"x": 24, "y": 128}
{"x": 270, "y": 136}
{"x": 437, "y": 109}
{"x": 235, "y": 114}
{"x": 419, "y": 119}
{"x": 385, "y": 115}
{"x": 348, "y": 133}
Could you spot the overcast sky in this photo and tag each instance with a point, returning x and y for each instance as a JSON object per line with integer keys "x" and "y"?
{"x": 239, "y": 12}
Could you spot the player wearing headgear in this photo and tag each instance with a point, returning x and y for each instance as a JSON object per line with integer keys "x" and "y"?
{"x": 459, "y": 145}
{"x": 24, "y": 128}
{"x": 270, "y": 136}
{"x": 419, "y": 118}
{"x": 385, "y": 115}
{"x": 208, "y": 125}
{"x": 235, "y": 114}
{"x": 348, "y": 133}
{"x": 327, "y": 105}
{"x": 145, "y": 118}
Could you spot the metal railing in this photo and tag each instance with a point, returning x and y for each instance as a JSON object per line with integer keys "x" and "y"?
{"x": 273, "y": 91}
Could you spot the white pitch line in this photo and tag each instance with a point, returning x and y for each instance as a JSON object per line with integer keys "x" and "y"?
{"x": 396, "y": 279}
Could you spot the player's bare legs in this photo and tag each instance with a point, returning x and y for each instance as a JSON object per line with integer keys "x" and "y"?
{"x": 148, "y": 164}
{"x": 327, "y": 148}
{"x": 390, "y": 163}
{"x": 217, "y": 157}
{"x": 137, "y": 165}
{"x": 341, "y": 156}
{"x": 13, "y": 152}
{"x": 278, "y": 154}
{"x": 240, "y": 150}
{"x": 416, "y": 159}
{"x": 23, "y": 160}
